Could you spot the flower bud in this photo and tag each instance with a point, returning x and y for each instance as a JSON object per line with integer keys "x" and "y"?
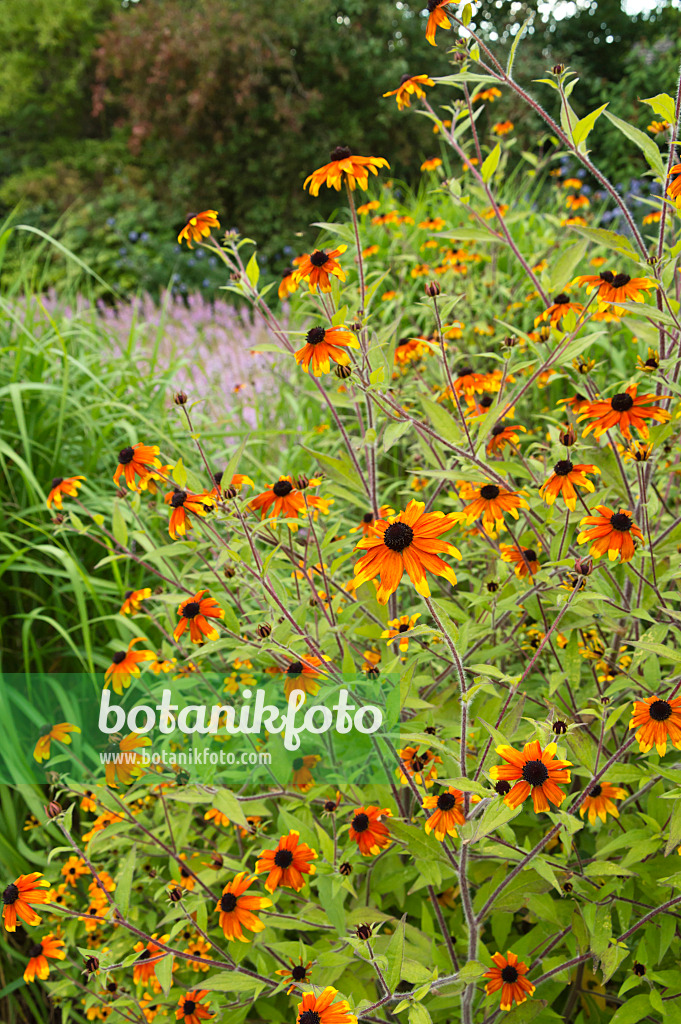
{"x": 374, "y": 672}
{"x": 567, "y": 887}
{"x": 345, "y": 869}
{"x": 558, "y": 69}
{"x": 91, "y": 965}
{"x": 180, "y": 398}
{"x": 53, "y": 809}
{"x": 216, "y": 861}
{"x": 264, "y": 630}
{"x": 230, "y": 572}
{"x": 567, "y": 436}
{"x": 560, "y": 728}
{"x": 432, "y": 289}
{"x": 364, "y": 932}
{"x": 230, "y": 492}
{"x": 302, "y": 482}
{"x": 639, "y": 970}
{"x": 343, "y": 371}
{"x": 584, "y": 566}
{"x": 182, "y": 778}
{"x": 175, "y": 894}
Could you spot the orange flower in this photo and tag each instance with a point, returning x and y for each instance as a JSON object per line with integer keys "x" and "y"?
{"x": 406, "y": 542}
{"x": 125, "y": 664}
{"x": 599, "y": 801}
{"x": 128, "y": 764}
{"x": 302, "y": 774}
{"x": 73, "y": 869}
{"x": 577, "y": 202}
{"x": 501, "y": 436}
{"x": 284, "y": 498}
{"x": 63, "y": 485}
{"x": 563, "y": 480}
{"x": 431, "y": 164}
{"x": 624, "y": 410}
{"x": 236, "y": 908}
{"x": 410, "y": 85}
{"x": 316, "y": 267}
{"x": 143, "y": 971}
{"x": 191, "y": 1009}
{"x": 488, "y": 94}
{"x": 408, "y": 350}
{"x": 652, "y": 218}
{"x": 397, "y": 627}
{"x": 287, "y": 863}
{"x": 18, "y": 897}
{"x": 322, "y": 1009}
{"x": 181, "y": 502}
{"x": 419, "y": 767}
{"x": 289, "y": 283}
{"x": 491, "y": 502}
{"x": 322, "y": 344}
{"x": 134, "y": 461}
{"x": 38, "y": 954}
{"x": 238, "y": 481}
{"x": 535, "y": 771}
{"x": 446, "y": 813}
{"x": 509, "y": 976}
{"x": 133, "y": 601}
{"x": 436, "y": 19}
{"x": 217, "y": 817}
{"x": 195, "y": 612}
{"x": 616, "y": 287}
{"x": 355, "y": 168}
{"x": 296, "y": 974}
{"x": 557, "y": 310}
{"x": 368, "y": 831}
{"x": 657, "y": 720}
{"x": 526, "y": 561}
{"x": 59, "y": 733}
{"x": 503, "y": 127}
{"x": 612, "y": 532}
{"x": 198, "y": 226}
{"x": 674, "y": 188}
{"x": 655, "y": 127}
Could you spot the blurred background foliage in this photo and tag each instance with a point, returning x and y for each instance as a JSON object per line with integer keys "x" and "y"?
{"x": 118, "y": 119}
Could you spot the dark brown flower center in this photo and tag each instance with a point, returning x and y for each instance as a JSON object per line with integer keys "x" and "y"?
{"x": 118, "y": 657}
{"x": 596, "y": 790}
{"x": 403, "y": 627}
{"x": 398, "y": 536}
{"x": 340, "y": 153}
{"x": 309, "y": 1017}
{"x": 607, "y": 276}
{"x": 405, "y": 78}
{"x": 620, "y": 280}
{"x": 660, "y": 711}
{"x": 297, "y": 764}
{"x": 191, "y": 609}
{"x": 360, "y": 822}
{"x": 10, "y": 895}
{"x": 465, "y": 371}
{"x": 530, "y": 554}
{"x": 446, "y": 801}
{"x": 282, "y": 488}
{"x": 509, "y": 974}
{"x": 535, "y": 772}
{"x": 368, "y": 517}
{"x": 36, "y": 950}
{"x": 652, "y": 363}
{"x": 499, "y": 429}
{"x": 622, "y": 402}
{"x": 189, "y": 1007}
{"x": 621, "y": 522}
{"x": 486, "y": 401}
{"x": 178, "y": 499}
{"x": 283, "y": 858}
{"x": 318, "y": 259}
{"x": 227, "y": 902}
{"x": 126, "y": 455}
{"x": 295, "y": 668}
{"x": 489, "y": 492}
{"x": 561, "y": 300}
{"x": 563, "y": 468}
{"x": 503, "y": 787}
{"x": 315, "y": 335}
{"x": 144, "y": 955}
{"x": 57, "y": 480}
{"x": 299, "y": 972}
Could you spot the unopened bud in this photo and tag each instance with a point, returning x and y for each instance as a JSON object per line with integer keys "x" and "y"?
{"x": 230, "y": 572}
{"x": 230, "y": 492}
{"x": 91, "y": 965}
{"x": 182, "y": 778}
{"x": 343, "y": 371}
{"x": 264, "y": 630}
{"x": 364, "y": 932}
{"x": 302, "y": 482}
{"x": 558, "y": 69}
{"x": 180, "y": 398}
{"x": 510, "y": 341}
{"x": 567, "y": 435}
{"x": 374, "y": 672}
{"x": 175, "y": 895}
{"x": 216, "y": 861}
{"x": 432, "y": 289}
{"x": 584, "y": 566}
{"x": 345, "y": 869}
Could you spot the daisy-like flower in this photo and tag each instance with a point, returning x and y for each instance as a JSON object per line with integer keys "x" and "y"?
{"x": 419, "y": 767}
{"x": 625, "y": 410}
{"x": 433, "y": 224}
{"x": 59, "y": 733}
{"x": 651, "y": 363}
{"x": 127, "y": 765}
{"x": 289, "y": 283}
{"x": 195, "y": 612}
{"x": 132, "y": 603}
{"x": 296, "y": 974}
{"x": 410, "y": 85}
{"x": 500, "y": 436}
{"x": 182, "y": 502}
{"x": 302, "y": 772}
{"x": 344, "y": 166}
{"x": 436, "y": 18}
{"x": 316, "y": 267}
{"x": 558, "y": 308}
{"x": 565, "y": 477}
{"x": 161, "y": 664}
{"x": 18, "y": 897}
{"x": 525, "y": 559}
{"x": 409, "y": 350}
{"x": 322, "y": 1009}
{"x": 674, "y": 187}
{"x": 136, "y": 461}
{"x": 73, "y": 869}
{"x": 323, "y": 344}
{"x": 302, "y": 675}
{"x": 285, "y": 499}
{"x": 616, "y": 287}
{"x": 126, "y": 664}
{"x": 368, "y": 520}
{"x": 503, "y": 127}
{"x": 577, "y": 202}
{"x": 655, "y": 127}
{"x": 191, "y": 1008}
{"x": 198, "y": 227}
{"x": 509, "y": 976}
{"x": 447, "y": 813}
{"x": 431, "y": 164}
{"x": 534, "y": 771}
{"x": 368, "y": 831}
{"x": 652, "y": 218}
{"x": 287, "y": 863}
{"x": 143, "y": 971}
{"x": 656, "y": 720}
{"x": 611, "y": 531}
{"x": 491, "y": 502}
{"x": 63, "y": 485}
{"x": 397, "y": 627}
{"x": 599, "y": 802}
{"x": 638, "y": 452}
{"x": 489, "y": 95}
{"x": 217, "y": 817}
{"x": 39, "y": 952}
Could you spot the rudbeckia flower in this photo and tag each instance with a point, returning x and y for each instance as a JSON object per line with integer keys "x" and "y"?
{"x": 289, "y": 283}
{"x": 18, "y": 897}
{"x": 407, "y": 542}
{"x": 652, "y": 218}
{"x": 59, "y": 733}
{"x": 316, "y": 267}
{"x": 491, "y": 502}
{"x": 410, "y": 85}
{"x": 419, "y": 767}
{"x": 600, "y": 801}
{"x": 285, "y": 499}
{"x": 565, "y": 477}
{"x": 217, "y": 817}
{"x": 238, "y": 481}
{"x": 655, "y": 127}
{"x": 501, "y": 436}
{"x": 143, "y": 972}
{"x": 191, "y": 1009}
{"x": 127, "y": 765}
{"x": 447, "y": 813}
{"x": 436, "y": 18}
{"x": 656, "y": 720}
{"x": 612, "y": 532}
{"x": 161, "y": 664}
{"x": 63, "y": 485}
{"x": 674, "y": 187}
{"x": 625, "y": 410}
{"x": 323, "y": 344}
{"x": 408, "y": 350}
{"x": 135, "y": 461}
{"x": 535, "y": 771}
{"x": 509, "y": 976}
{"x": 125, "y": 664}
{"x": 503, "y": 127}
{"x": 651, "y": 364}
{"x": 431, "y": 164}
{"x": 37, "y": 965}
{"x": 297, "y": 974}
{"x": 490, "y": 95}
{"x": 181, "y": 502}
{"x": 368, "y": 831}
{"x": 287, "y": 863}
{"x": 354, "y": 170}
{"x": 617, "y": 287}
{"x": 302, "y": 772}
{"x": 433, "y": 224}
{"x": 397, "y": 627}
{"x": 195, "y": 612}
{"x": 638, "y": 452}
{"x": 558, "y": 308}
{"x": 526, "y": 561}
{"x": 322, "y": 1009}
{"x": 133, "y": 601}
{"x": 198, "y": 227}
{"x": 577, "y": 202}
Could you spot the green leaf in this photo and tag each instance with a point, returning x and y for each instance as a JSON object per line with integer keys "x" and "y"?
{"x": 164, "y": 972}
{"x": 663, "y": 105}
{"x": 649, "y": 148}
{"x": 632, "y": 1011}
{"x": 490, "y": 163}
{"x": 226, "y": 802}
{"x": 514, "y": 47}
{"x": 582, "y": 129}
{"x": 179, "y": 474}
{"x": 395, "y": 955}
{"x": 674, "y": 829}
{"x": 253, "y": 270}
{"x": 611, "y": 959}
{"x": 340, "y": 469}
{"x": 418, "y": 1014}
{"x": 118, "y": 524}
{"x": 230, "y": 981}
{"x": 124, "y": 883}
{"x": 393, "y": 432}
